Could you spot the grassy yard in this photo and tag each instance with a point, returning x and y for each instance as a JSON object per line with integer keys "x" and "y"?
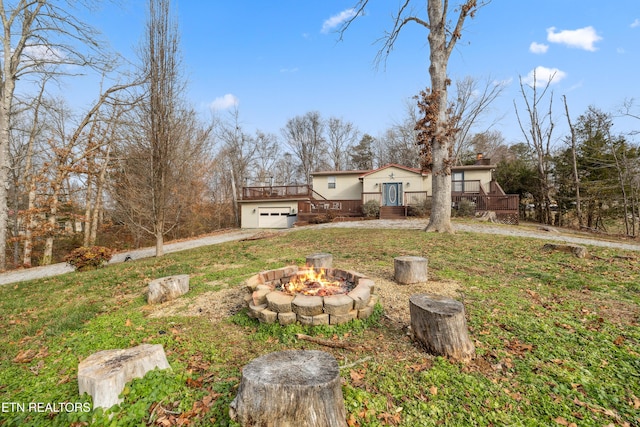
{"x": 557, "y": 337}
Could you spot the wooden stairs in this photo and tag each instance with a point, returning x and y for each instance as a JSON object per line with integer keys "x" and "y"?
{"x": 392, "y": 212}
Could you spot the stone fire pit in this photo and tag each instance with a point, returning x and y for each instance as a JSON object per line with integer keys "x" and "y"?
{"x": 271, "y": 300}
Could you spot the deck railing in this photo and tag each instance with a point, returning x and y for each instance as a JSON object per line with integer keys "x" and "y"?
{"x": 276, "y": 192}
{"x": 484, "y": 202}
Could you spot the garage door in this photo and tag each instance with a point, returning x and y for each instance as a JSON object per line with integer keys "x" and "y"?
{"x": 273, "y": 217}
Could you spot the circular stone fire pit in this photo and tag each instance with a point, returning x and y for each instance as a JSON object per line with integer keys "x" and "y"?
{"x": 331, "y": 297}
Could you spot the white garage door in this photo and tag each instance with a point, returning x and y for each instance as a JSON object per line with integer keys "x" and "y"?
{"x": 273, "y": 217}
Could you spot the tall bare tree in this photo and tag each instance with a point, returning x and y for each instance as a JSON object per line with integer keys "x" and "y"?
{"x": 305, "y": 137}
{"x": 436, "y": 129}
{"x": 161, "y": 57}
{"x": 538, "y": 131}
{"x": 472, "y": 99}
{"x": 341, "y": 135}
{"x": 36, "y": 35}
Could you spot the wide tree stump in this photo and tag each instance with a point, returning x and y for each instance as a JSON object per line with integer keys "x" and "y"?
{"x": 438, "y": 323}
{"x": 410, "y": 269}
{"x": 293, "y": 388}
{"x": 319, "y": 260}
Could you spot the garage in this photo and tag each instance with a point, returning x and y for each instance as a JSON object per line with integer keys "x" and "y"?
{"x": 273, "y": 217}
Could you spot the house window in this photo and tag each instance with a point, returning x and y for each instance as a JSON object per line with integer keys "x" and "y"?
{"x": 332, "y": 181}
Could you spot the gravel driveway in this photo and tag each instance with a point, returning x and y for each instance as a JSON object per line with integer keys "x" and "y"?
{"x": 417, "y": 224}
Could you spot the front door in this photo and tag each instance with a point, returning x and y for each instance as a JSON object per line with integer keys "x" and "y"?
{"x": 392, "y": 195}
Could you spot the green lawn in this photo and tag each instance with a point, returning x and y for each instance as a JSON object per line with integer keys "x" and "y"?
{"x": 557, "y": 337}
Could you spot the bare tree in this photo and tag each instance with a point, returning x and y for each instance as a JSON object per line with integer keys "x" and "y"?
{"x": 574, "y": 163}
{"x": 538, "y": 131}
{"x": 472, "y": 100}
{"x": 436, "y": 129}
{"x": 340, "y": 136}
{"x": 161, "y": 58}
{"x": 37, "y": 35}
{"x": 305, "y": 137}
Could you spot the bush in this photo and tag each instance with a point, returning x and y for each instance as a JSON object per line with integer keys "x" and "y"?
{"x": 422, "y": 209}
{"x": 371, "y": 209}
{"x": 466, "y": 208}
{"x": 89, "y": 258}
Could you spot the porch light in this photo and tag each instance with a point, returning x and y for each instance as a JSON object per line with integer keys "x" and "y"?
{"x": 408, "y": 183}
{"x": 375, "y": 185}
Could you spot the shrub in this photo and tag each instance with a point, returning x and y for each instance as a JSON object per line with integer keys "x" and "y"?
{"x": 371, "y": 209}
{"x": 422, "y": 209}
{"x": 89, "y": 258}
{"x": 466, "y": 208}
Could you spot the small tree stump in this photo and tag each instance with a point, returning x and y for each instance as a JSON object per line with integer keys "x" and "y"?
{"x": 293, "y": 388}
{"x": 320, "y": 260}
{"x": 410, "y": 269}
{"x": 576, "y": 250}
{"x": 439, "y": 324}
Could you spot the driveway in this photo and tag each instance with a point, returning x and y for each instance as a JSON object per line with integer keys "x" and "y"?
{"x": 214, "y": 239}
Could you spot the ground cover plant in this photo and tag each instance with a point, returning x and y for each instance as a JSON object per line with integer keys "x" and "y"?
{"x": 557, "y": 337}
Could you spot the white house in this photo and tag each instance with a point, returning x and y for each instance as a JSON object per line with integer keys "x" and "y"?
{"x": 341, "y": 194}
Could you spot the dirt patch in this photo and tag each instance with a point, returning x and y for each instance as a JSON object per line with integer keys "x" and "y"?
{"x": 214, "y": 305}
{"x": 395, "y": 297}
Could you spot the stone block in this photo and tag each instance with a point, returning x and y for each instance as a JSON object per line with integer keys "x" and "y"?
{"x": 320, "y": 319}
{"x": 368, "y": 282}
{"x": 260, "y": 296}
{"x": 254, "y": 310}
{"x": 361, "y": 295}
{"x": 365, "y": 312}
{"x": 248, "y": 300}
{"x": 268, "y": 316}
{"x": 104, "y": 374}
{"x": 253, "y": 282}
{"x": 279, "y": 302}
{"x": 307, "y": 305}
{"x": 338, "y": 319}
{"x": 167, "y": 288}
{"x": 338, "y": 304}
{"x": 287, "y": 318}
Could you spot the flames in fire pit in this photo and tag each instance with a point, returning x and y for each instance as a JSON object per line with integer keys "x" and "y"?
{"x": 316, "y": 282}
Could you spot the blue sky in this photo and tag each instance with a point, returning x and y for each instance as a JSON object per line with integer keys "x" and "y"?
{"x": 274, "y": 60}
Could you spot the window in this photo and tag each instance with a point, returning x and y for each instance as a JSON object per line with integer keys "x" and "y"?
{"x": 332, "y": 181}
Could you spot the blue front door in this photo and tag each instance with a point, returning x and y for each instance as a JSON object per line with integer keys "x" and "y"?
{"x": 392, "y": 195}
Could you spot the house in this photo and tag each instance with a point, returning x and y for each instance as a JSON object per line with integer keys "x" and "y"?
{"x": 396, "y": 188}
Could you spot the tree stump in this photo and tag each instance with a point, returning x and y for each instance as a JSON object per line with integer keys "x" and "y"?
{"x": 438, "y": 323}
{"x": 167, "y": 288}
{"x": 410, "y": 269}
{"x": 320, "y": 260}
{"x": 104, "y": 374}
{"x": 293, "y": 388}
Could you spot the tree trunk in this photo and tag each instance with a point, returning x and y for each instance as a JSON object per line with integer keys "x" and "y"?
{"x": 294, "y": 388}
{"x": 438, "y": 323}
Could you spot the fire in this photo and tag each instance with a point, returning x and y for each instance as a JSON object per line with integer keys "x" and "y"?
{"x": 314, "y": 282}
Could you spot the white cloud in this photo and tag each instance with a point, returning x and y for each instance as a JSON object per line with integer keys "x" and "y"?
{"x": 542, "y": 75}
{"x": 337, "y": 20}
{"x": 538, "y": 48}
{"x": 42, "y": 53}
{"x": 636, "y": 23}
{"x": 224, "y": 102}
{"x": 289, "y": 70}
{"x": 582, "y": 38}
